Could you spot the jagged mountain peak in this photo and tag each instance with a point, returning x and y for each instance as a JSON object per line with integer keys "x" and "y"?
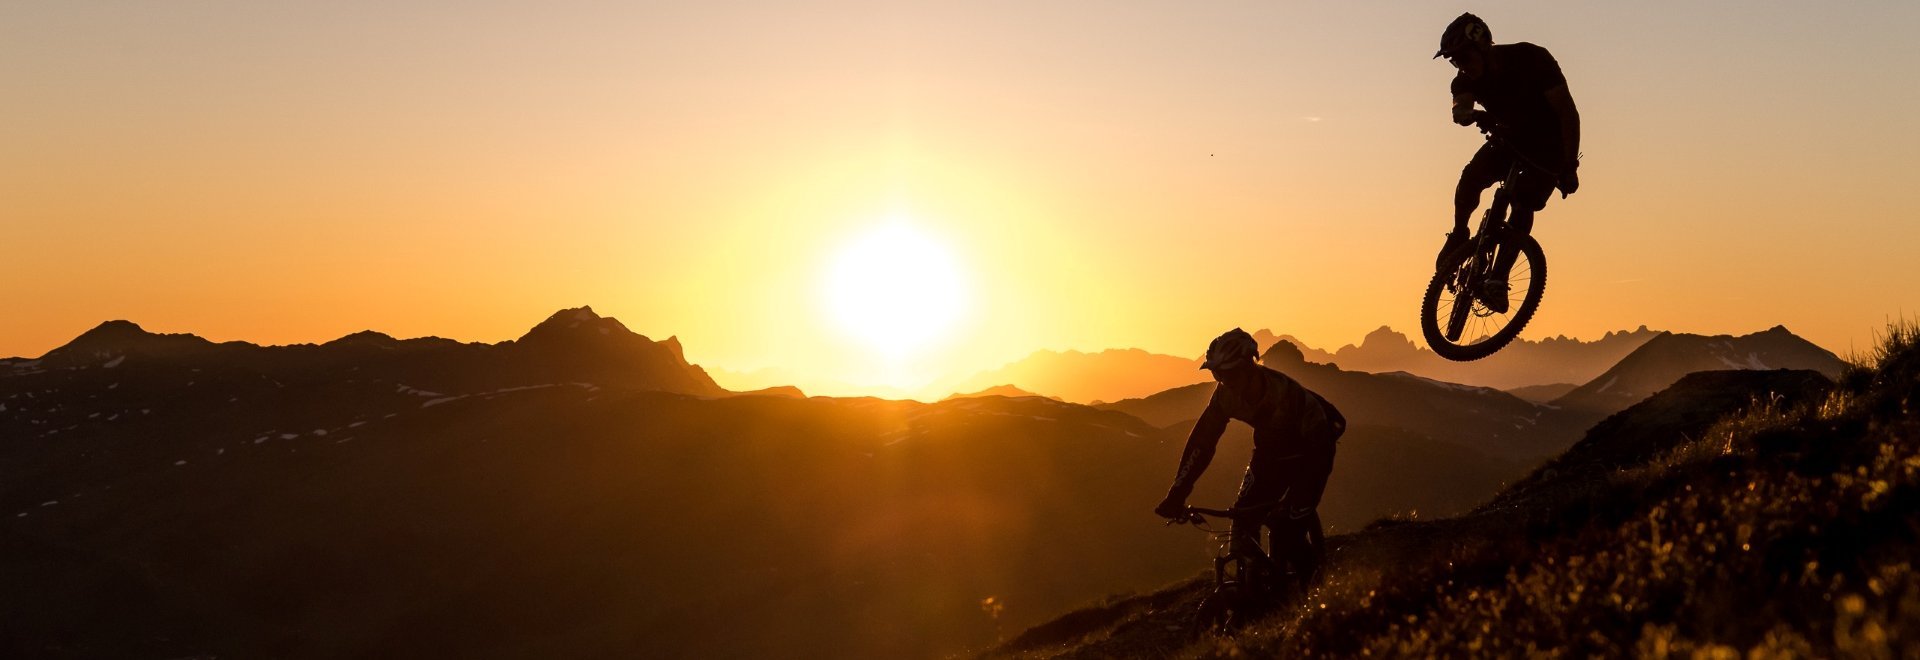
{"x": 1283, "y": 353}
{"x": 1264, "y": 337}
{"x": 580, "y": 344}
{"x": 1387, "y": 335}
{"x": 1383, "y": 344}
{"x": 1642, "y": 330}
{"x": 576, "y": 322}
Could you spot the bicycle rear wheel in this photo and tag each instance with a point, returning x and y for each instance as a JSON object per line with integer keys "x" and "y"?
{"x": 1456, "y": 321}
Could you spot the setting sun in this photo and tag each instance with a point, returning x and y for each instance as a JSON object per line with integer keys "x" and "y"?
{"x": 894, "y": 289}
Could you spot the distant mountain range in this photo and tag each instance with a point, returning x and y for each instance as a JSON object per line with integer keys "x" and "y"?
{"x": 1118, "y": 374}
{"x": 997, "y": 390}
{"x": 1109, "y": 375}
{"x": 573, "y": 344}
{"x": 1523, "y": 363}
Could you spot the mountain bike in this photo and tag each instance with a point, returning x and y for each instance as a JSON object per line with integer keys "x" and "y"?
{"x": 1246, "y": 582}
{"x": 1455, "y": 315}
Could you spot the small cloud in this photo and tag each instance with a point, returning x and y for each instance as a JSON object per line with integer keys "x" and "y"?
{"x": 1311, "y": 120}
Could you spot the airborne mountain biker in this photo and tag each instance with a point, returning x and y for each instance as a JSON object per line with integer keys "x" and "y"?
{"x": 1526, "y": 96}
{"x": 1294, "y": 432}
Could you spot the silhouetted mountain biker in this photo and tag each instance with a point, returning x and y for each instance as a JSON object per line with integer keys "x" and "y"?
{"x": 1525, "y": 95}
{"x": 1294, "y": 432}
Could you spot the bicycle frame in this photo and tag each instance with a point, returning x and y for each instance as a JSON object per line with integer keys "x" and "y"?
{"x": 1466, "y": 282}
{"x": 1496, "y": 216}
{"x": 1196, "y": 516}
{"x": 1238, "y": 587}
{"x": 1487, "y": 237}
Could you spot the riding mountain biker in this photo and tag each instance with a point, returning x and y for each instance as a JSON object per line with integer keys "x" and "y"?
{"x": 1525, "y": 96}
{"x": 1294, "y": 432}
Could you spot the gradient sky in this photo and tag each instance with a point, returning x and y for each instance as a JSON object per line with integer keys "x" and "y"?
{"x": 1106, "y": 173}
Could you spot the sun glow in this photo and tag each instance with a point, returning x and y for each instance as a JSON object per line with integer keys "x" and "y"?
{"x": 895, "y": 289}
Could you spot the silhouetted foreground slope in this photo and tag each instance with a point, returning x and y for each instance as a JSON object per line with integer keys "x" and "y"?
{"x": 1735, "y": 512}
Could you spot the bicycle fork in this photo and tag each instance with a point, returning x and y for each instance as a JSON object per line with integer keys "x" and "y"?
{"x": 1481, "y": 264}
{"x": 1493, "y": 226}
{"x": 1488, "y": 259}
{"x": 1249, "y": 570}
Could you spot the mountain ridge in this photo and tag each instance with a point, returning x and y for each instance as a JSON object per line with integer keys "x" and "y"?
{"x": 573, "y": 343}
{"x": 1669, "y": 356}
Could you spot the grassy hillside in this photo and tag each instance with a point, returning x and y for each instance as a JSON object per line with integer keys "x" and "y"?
{"x": 1735, "y": 513}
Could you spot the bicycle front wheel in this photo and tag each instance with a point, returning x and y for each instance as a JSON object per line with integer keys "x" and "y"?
{"x": 1212, "y": 615}
{"x": 1455, "y": 318}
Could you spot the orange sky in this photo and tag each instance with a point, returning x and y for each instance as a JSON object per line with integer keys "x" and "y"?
{"x": 1106, "y": 174}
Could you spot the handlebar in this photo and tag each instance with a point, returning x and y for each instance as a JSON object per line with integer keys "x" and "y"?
{"x": 1221, "y": 513}
{"x": 1198, "y": 515}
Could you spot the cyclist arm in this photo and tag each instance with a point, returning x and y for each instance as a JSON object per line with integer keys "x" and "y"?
{"x": 1463, "y": 108}
{"x": 1201, "y": 443}
{"x": 1561, "y": 101}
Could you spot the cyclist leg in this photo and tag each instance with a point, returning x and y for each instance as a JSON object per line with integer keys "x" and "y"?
{"x": 1260, "y": 486}
{"x": 1487, "y": 167}
{"x": 1483, "y": 170}
{"x": 1531, "y": 190}
{"x": 1263, "y": 485}
{"x": 1299, "y": 540}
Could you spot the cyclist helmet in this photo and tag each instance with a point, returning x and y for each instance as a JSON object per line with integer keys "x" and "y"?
{"x": 1464, "y": 32}
{"x": 1234, "y": 349}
